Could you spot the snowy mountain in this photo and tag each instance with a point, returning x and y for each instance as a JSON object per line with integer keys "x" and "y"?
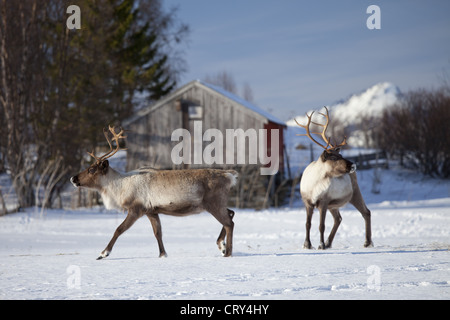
{"x": 369, "y": 104}
{"x": 357, "y": 114}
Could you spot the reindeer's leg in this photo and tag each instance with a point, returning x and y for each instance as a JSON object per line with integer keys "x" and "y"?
{"x": 323, "y": 213}
{"x": 359, "y": 204}
{"x": 365, "y": 212}
{"x": 156, "y": 225}
{"x": 337, "y": 221}
{"x": 131, "y": 218}
{"x": 221, "y": 239}
{"x": 309, "y": 214}
{"x": 224, "y": 216}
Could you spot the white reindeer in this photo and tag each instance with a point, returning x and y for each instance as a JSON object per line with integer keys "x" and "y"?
{"x": 330, "y": 183}
{"x": 151, "y": 192}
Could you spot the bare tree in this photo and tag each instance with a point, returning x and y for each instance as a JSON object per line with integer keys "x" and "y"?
{"x": 247, "y": 92}
{"x": 21, "y": 62}
{"x": 226, "y": 80}
{"x": 223, "y": 79}
{"x": 416, "y": 130}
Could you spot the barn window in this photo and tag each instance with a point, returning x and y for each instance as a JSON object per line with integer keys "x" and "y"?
{"x": 195, "y": 112}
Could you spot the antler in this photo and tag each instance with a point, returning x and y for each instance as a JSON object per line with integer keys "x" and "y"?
{"x": 322, "y": 134}
{"x": 111, "y": 152}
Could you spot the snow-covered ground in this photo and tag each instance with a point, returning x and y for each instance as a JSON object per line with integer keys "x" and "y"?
{"x": 52, "y": 256}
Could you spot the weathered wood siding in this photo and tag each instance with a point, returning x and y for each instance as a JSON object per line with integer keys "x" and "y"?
{"x": 149, "y": 139}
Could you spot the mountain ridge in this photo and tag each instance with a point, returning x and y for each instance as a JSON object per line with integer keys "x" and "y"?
{"x": 355, "y": 115}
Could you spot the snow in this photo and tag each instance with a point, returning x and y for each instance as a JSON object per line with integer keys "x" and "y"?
{"x": 370, "y": 103}
{"x": 52, "y": 255}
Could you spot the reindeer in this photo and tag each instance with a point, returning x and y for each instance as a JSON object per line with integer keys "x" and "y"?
{"x": 150, "y": 192}
{"x": 329, "y": 183}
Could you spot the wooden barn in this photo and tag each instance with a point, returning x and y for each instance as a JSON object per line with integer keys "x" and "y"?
{"x": 213, "y": 118}
{"x": 197, "y": 107}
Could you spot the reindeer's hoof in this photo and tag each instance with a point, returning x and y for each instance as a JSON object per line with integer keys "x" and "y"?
{"x": 222, "y": 247}
{"x": 322, "y": 246}
{"x": 307, "y": 245}
{"x": 368, "y": 244}
{"x": 104, "y": 254}
{"x": 163, "y": 255}
{"x": 227, "y": 254}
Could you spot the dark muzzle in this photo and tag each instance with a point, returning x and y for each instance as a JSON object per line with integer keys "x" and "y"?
{"x": 74, "y": 180}
{"x": 351, "y": 167}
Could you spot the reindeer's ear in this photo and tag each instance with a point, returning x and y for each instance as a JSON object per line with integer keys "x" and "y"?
{"x": 103, "y": 166}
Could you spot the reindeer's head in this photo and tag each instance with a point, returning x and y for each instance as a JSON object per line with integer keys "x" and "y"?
{"x": 92, "y": 176}
{"x": 335, "y": 164}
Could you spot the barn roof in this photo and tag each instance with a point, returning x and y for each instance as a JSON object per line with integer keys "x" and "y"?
{"x": 143, "y": 112}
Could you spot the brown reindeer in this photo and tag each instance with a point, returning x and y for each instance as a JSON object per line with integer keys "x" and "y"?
{"x": 330, "y": 183}
{"x": 151, "y": 192}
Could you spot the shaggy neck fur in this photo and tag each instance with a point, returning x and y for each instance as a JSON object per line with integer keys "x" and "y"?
{"x": 112, "y": 184}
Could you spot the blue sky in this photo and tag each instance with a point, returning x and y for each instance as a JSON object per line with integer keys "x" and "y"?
{"x": 302, "y": 55}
